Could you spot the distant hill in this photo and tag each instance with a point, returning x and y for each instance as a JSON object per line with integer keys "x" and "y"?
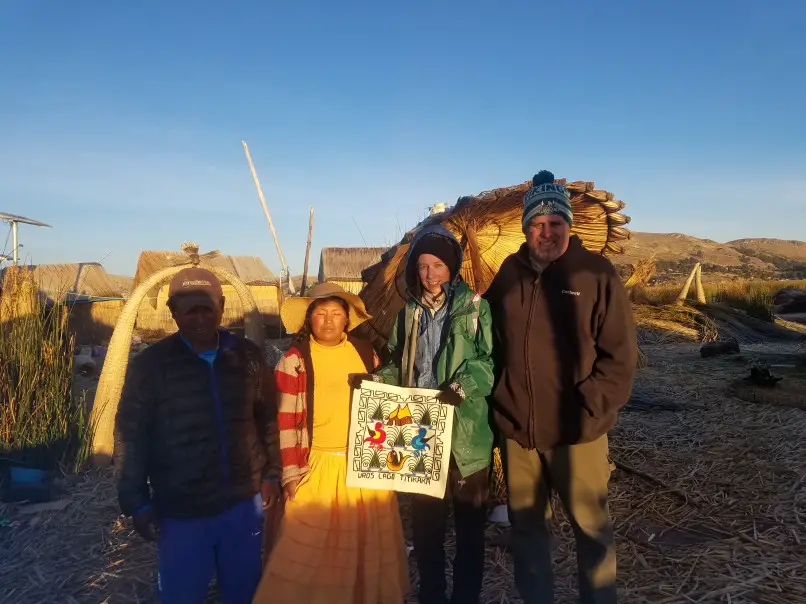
{"x": 786, "y": 255}
{"x": 675, "y": 255}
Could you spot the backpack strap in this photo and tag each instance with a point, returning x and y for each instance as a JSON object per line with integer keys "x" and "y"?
{"x": 475, "y": 315}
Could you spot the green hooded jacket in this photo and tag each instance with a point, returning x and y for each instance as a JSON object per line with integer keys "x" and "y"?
{"x": 464, "y": 358}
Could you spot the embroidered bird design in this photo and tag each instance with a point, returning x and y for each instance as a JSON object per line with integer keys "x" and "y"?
{"x": 377, "y": 436}
{"x": 420, "y": 442}
{"x": 395, "y": 460}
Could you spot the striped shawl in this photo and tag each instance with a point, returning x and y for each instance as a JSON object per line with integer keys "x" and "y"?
{"x": 294, "y": 377}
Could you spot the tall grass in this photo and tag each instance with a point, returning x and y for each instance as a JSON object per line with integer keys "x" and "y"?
{"x": 41, "y": 423}
{"x": 752, "y": 296}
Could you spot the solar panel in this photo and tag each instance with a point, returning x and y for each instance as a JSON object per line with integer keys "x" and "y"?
{"x": 22, "y": 219}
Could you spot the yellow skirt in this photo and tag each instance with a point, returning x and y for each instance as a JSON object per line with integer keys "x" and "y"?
{"x": 336, "y": 545}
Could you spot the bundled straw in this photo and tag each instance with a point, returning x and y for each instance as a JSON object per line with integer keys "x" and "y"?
{"x": 498, "y": 487}
{"x": 488, "y": 227}
{"x": 642, "y": 273}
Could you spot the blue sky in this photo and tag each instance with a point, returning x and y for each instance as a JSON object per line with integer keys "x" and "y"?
{"x": 121, "y": 122}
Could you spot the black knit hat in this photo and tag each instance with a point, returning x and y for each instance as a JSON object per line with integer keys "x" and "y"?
{"x": 441, "y": 247}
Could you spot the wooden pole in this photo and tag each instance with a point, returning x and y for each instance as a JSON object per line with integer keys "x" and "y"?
{"x": 475, "y": 259}
{"x": 681, "y": 299}
{"x": 15, "y": 243}
{"x": 700, "y": 289}
{"x": 307, "y": 254}
{"x": 268, "y": 219}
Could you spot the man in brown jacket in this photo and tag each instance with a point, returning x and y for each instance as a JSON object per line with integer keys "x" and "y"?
{"x": 566, "y": 352}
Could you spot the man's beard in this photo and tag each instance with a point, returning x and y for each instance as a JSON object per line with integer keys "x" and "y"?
{"x": 546, "y": 250}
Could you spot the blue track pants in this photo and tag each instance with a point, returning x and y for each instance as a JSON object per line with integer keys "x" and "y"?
{"x": 193, "y": 550}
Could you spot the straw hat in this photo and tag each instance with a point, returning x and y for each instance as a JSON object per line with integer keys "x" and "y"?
{"x": 294, "y": 309}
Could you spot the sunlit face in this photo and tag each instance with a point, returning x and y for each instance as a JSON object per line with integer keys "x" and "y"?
{"x": 434, "y": 273}
{"x": 328, "y": 322}
{"x": 198, "y": 323}
{"x": 547, "y": 238}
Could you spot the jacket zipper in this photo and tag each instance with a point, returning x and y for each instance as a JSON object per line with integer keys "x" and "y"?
{"x": 535, "y": 296}
{"x": 222, "y": 442}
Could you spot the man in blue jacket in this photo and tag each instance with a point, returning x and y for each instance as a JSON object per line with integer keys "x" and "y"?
{"x": 197, "y": 450}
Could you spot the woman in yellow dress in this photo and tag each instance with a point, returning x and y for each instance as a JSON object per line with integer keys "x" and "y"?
{"x": 336, "y": 544}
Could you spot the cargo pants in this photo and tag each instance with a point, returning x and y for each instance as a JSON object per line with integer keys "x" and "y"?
{"x": 579, "y": 474}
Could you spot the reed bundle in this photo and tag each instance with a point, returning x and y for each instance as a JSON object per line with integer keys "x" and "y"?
{"x": 488, "y": 226}
{"x": 642, "y": 273}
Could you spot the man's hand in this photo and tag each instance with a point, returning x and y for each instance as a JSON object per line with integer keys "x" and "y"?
{"x": 355, "y": 379}
{"x": 450, "y": 396}
{"x": 147, "y": 524}
{"x": 290, "y": 490}
{"x": 270, "y": 492}
{"x": 472, "y": 489}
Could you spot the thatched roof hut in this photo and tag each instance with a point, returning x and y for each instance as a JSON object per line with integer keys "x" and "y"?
{"x": 92, "y": 298}
{"x": 488, "y": 226}
{"x": 154, "y": 315}
{"x": 67, "y": 282}
{"x": 123, "y": 284}
{"x": 249, "y": 269}
{"x": 344, "y": 265}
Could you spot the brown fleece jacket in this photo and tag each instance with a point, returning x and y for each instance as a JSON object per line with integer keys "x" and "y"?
{"x": 565, "y": 348}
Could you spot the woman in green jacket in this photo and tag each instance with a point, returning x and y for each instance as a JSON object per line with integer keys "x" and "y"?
{"x": 442, "y": 340}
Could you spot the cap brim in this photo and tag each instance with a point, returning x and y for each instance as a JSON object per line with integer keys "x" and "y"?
{"x": 294, "y": 310}
{"x": 188, "y": 301}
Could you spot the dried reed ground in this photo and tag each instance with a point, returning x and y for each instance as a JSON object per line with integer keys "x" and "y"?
{"x": 719, "y": 517}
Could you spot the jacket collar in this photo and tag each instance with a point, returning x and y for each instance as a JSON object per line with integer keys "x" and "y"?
{"x": 226, "y": 341}
{"x": 459, "y": 295}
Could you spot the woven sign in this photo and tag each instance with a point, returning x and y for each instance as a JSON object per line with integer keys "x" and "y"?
{"x": 400, "y": 440}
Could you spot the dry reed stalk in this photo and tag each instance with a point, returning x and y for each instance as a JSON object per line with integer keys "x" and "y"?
{"x": 643, "y": 360}
{"x": 745, "y": 463}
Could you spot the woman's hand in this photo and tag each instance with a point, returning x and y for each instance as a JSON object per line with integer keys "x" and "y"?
{"x": 472, "y": 489}
{"x": 451, "y": 394}
{"x": 355, "y": 379}
{"x": 290, "y": 490}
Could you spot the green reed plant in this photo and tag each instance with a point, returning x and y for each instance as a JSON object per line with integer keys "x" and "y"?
{"x": 41, "y": 423}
